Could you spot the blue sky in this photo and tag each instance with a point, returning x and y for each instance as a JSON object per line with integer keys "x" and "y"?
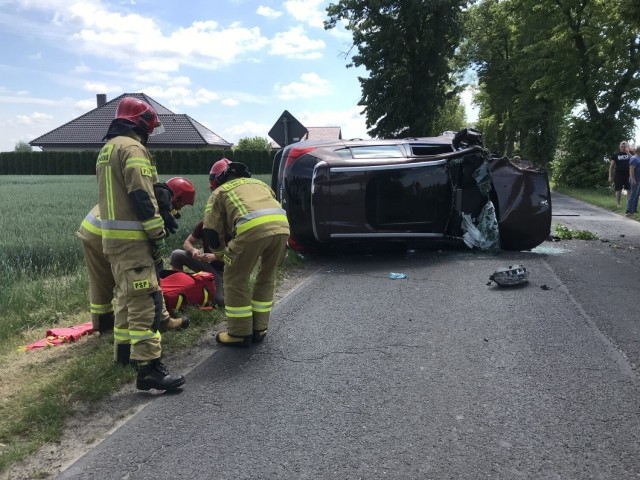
{"x": 233, "y": 65}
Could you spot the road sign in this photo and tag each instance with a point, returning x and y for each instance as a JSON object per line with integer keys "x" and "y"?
{"x": 287, "y": 130}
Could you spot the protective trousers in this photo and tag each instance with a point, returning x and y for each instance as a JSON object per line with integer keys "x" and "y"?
{"x": 139, "y": 302}
{"x": 248, "y": 310}
{"x": 101, "y": 282}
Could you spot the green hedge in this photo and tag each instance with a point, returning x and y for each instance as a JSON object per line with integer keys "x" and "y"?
{"x": 182, "y": 162}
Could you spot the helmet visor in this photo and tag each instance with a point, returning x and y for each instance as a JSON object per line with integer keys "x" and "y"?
{"x": 159, "y": 128}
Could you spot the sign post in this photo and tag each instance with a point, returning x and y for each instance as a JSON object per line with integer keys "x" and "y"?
{"x": 287, "y": 130}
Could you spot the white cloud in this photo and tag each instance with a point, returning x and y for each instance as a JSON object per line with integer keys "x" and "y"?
{"x": 34, "y": 118}
{"x": 310, "y": 86}
{"x": 230, "y": 102}
{"x": 181, "y": 80}
{"x": 268, "y": 12}
{"x": 310, "y": 12}
{"x": 82, "y": 68}
{"x": 98, "y": 87}
{"x": 137, "y": 41}
{"x": 84, "y": 106}
{"x": 246, "y": 129}
{"x": 158, "y": 66}
{"x": 294, "y": 43}
{"x": 19, "y": 98}
{"x": 181, "y": 95}
{"x": 350, "y": 121}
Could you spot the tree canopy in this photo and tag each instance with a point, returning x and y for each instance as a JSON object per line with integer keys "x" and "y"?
{"x": 557, "y": 80}
{"x": 559, "y": 77}
{"x": 406, "y": 46}
{"x": 22, "y": 146}
{"x": 254, "y": 143}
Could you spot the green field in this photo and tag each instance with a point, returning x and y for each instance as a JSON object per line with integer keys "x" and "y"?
{"x": 41, "y": 260}
{"x": 45, "y": 285}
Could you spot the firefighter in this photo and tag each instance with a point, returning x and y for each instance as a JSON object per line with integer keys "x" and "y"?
{"x": 101, "y": 281}
{"x": 133, "y": 232}
{"x": 245, "y": 210}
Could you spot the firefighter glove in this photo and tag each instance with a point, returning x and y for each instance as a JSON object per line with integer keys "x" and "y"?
{"x": 170, "y": 223}
{"x": 164, "y": 194}
{"x": 159, "y": 249}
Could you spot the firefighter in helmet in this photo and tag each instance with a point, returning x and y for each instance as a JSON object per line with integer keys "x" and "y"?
{"x": 133, "y": 232}
{"x": 246, "y": 211}
{"x": 101, "y": 281}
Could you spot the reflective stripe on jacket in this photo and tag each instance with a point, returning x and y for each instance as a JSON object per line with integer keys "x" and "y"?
{"x": 90, "y": 229}
{"x": 244, "y": 207}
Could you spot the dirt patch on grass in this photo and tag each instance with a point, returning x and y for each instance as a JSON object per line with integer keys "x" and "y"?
{"x": 91, "y": 423}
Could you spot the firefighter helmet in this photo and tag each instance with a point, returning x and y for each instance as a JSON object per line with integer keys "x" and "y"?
{"x": 223, "y": 169}
{"x": 217, "y": 169}
{"x": 140, "y": 113}
{"x": 184, "y": 193}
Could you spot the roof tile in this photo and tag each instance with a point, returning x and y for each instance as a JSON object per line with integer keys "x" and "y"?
{"x": 88, "y": 130}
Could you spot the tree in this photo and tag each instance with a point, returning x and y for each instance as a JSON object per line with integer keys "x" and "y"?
{"x": 516, "y": 109}
{"x": 450, "y": 117}
{"x": 596, "y": 64}
{"x": 557, "y": 75}
{"x": 406, "y": 46}
{"x": 254, "y": 144}
{"x": 23, "y": 146}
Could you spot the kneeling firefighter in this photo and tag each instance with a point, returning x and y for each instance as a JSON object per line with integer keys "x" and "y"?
{"x": 133, "y": 231}
{"x": 245, "y": 210}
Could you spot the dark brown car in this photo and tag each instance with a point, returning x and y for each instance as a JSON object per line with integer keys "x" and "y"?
{"x": 410, "y": 190}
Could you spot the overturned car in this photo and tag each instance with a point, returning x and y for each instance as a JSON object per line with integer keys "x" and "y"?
{"x": 412, "y": 190}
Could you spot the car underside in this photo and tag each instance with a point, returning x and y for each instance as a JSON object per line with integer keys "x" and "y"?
{"x": 413, "y": 191}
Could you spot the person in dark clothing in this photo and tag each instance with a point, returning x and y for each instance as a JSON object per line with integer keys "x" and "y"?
{"x": 199, "y": 259}
{"x": 619, "y": 171}
{"x": 634, "y": 179}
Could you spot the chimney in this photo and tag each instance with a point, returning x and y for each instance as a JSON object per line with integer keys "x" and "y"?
{"x": 101, "y": 99}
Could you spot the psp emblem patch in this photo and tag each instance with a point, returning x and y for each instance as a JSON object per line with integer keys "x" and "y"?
{"x": 141, "y": 285}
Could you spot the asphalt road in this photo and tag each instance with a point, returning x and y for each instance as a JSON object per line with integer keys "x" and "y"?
{"x": 438, "y": 376}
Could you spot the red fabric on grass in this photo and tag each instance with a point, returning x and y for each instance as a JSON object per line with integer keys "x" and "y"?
{"x": 56, "y": 336}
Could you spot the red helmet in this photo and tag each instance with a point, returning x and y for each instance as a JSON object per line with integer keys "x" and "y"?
{"x": 140, "y": 113}
{"x": 184, "y": 193}
{"x": 217, "y": 169}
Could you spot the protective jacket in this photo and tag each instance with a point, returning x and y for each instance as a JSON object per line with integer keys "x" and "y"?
{"x": 101, "y": 282}
{"x": 128, "y": 208}
{"x": 243, "y": 208}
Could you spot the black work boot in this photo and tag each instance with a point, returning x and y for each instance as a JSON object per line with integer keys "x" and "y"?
{"x": 123, "y": 353}
{"x": 105, "y": 322}
{"x": 153, "y": 374}
{"x": 258, "y": 335}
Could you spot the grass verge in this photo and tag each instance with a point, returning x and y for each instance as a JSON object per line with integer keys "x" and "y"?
{"x": 41, "y": 389}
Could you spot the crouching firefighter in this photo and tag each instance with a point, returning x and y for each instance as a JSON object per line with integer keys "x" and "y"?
{"x": 133, "y": 232}
{"x": 245, "y": 210}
